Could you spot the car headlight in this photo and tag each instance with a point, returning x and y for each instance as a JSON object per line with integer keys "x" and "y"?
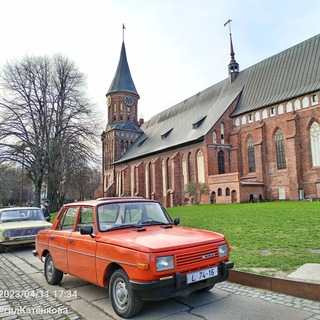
{"x": 223, "y": 250}
{"x": 164, "y": 263}
{"x": 7, "y": 233}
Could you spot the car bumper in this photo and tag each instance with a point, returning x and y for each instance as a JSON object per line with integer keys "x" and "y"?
{"x": 15, "y": 241}
{"x": 178, "y": 286}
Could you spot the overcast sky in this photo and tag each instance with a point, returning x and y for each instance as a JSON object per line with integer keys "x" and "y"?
{"x": 175, "y": 48}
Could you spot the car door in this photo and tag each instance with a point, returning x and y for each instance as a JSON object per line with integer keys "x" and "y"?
{"x": 59, "y": 238}
{"x": 82, "y": 248}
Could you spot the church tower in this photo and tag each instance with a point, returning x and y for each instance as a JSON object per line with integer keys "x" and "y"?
{"x": 233, "y": 67}
{"x": 123, "y": 127}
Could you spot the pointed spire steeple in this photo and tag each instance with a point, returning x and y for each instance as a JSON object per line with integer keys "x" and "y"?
{"x": 233, "y": 67}
{"x": 122, "y": 81}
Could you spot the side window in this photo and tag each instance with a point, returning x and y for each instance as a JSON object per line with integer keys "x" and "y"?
{"x": 85, "y": 218}
{"x": 67, "y": 222}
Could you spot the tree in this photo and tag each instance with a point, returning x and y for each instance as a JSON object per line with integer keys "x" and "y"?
{"x": 196, "y": 190}
{"x": 47, "y": 123}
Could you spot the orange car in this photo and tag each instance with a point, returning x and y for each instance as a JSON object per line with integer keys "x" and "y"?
{"x": 131, "y": 246}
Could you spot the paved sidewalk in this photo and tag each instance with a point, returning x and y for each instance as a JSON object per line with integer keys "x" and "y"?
{"x": 22, "y": 298}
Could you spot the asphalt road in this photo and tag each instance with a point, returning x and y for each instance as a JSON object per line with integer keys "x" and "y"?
{"x": 24, "y": 294}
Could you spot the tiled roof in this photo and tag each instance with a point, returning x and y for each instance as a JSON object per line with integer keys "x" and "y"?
{"x": 293, "y": 72}
{"x": 122, "y": 81}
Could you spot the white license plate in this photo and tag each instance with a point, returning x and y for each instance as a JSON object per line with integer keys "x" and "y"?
{"x": 202, "y": 275}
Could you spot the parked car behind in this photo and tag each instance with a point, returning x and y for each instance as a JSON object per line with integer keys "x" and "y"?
{"x": 20, "y": 225}
{"x": 132, "y": 247}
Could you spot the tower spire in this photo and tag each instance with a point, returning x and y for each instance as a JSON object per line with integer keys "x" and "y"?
{"x": 123, "y": 28}
{"x": 233, "y": 66}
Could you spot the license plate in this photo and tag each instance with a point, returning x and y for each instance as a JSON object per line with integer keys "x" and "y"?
{"x": 202, "y": 275}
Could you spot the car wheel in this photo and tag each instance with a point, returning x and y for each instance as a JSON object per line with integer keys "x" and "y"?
{"x": 125, "y": 302}
{"x": 2, "y": 248}
{"x": 52, "y": 275}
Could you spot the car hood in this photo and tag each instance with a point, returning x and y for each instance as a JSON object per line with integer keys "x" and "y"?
{"x": 157, "y": 238}
{"x": 25, "y": 224}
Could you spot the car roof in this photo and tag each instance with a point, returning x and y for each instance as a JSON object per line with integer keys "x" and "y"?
{"x": 107, "y": 200}
{"x": 19, "y": 208}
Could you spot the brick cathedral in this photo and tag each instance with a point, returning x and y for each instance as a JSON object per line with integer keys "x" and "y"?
{"x": 255, "y": 133}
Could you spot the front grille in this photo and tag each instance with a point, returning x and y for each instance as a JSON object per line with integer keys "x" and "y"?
{"x": 207, "y": 256}
{"x": 24, "y": 232}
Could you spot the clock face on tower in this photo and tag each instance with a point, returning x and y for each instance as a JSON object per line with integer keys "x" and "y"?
{"x": 128, "y": 101}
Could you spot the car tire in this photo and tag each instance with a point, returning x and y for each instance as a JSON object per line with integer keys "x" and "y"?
{"x": 52, "y": 275}
{"x": 2, "y": 248}
{"x": 125, "y": 302}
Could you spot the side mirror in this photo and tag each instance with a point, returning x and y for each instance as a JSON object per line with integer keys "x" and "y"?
{"x": 87, "y": 230}
{"x": 176, "y": 221}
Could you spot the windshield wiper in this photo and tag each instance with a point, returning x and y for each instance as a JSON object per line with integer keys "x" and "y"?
{"x": 122, "y": 226}
{"x": 152, "y": 222}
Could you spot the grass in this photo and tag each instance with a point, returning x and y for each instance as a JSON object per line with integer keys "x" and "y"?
{"x": 271, "y": 238}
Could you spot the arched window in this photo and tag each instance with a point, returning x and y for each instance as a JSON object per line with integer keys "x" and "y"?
{"x": 190, "y": 168}
{"x": 237, "y": 122}
{"x": 305, "y": 102}
{"x": 200, "y": 167}
{"x": 219, "y": 192}
{"x": 151, "y": 178}
{"x": 264, "y": 114}
{"x": 221, "y": 168}
{"x": 184, "y": 170}
{"x": 289, "y": 106}
{"x": 315, "y": 143}
{"x": 222, "y": 133}
{"x": 280, "y": 109}
{"x": 280, "y": 150}
{"x": 297, "y": 104}
{"x": 251, "y": 159}
{"x": 214, "y": 137}
{"x": 227, "y": 192}
{"x": 169, "y": 173}
{"x": 164, "y": 178}
{"x": 257, "y": 116}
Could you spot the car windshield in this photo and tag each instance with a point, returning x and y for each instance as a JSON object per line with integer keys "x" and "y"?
{"x": 125, "y": 215}
{"x": 18, "y": 214}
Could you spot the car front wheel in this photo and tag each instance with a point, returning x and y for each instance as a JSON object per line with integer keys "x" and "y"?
{"x": 52, "y": 275}
{"x": 125, "y": 302}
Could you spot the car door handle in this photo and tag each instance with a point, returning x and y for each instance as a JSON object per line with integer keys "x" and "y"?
{"x": 70, "y": 240}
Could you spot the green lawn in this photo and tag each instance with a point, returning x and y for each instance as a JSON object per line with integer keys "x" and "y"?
{"x": 266, "y": 238}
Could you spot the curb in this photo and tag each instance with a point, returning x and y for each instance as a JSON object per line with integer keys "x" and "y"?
{"x": 305, "y": 290}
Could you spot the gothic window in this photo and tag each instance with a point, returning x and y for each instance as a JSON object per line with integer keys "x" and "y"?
{"x": 190, "y": 168}
{"x": 121, "y": 147}
{"x": 289, "y": 106}
{"x": 222, "y": 133}
{"x": 214, "y": 137}
{"x": 280, "y": 150}
{"x": 315, "y": 143}
{"x": 227, "y": 192}
{"x": 280, "y": 109}
{"x": 257, "y": 116}
{"x": 151, "y": 178}
{"x": 296, "y": 104}
{"x": 221, "y": 168}
{"x": 169, "y": 173}
{"x": 200, "y": 167}
{"x": 219, "y": 192}
{"x": 164, "y": 178}
{"x": 184, "y": 170}
{"x": 251, "y": 159}
{"x": 305, "y": 102}
{"x": 264, "y": 114}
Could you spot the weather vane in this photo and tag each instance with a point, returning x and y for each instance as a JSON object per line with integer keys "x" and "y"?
{"x": 228, "y": 22}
